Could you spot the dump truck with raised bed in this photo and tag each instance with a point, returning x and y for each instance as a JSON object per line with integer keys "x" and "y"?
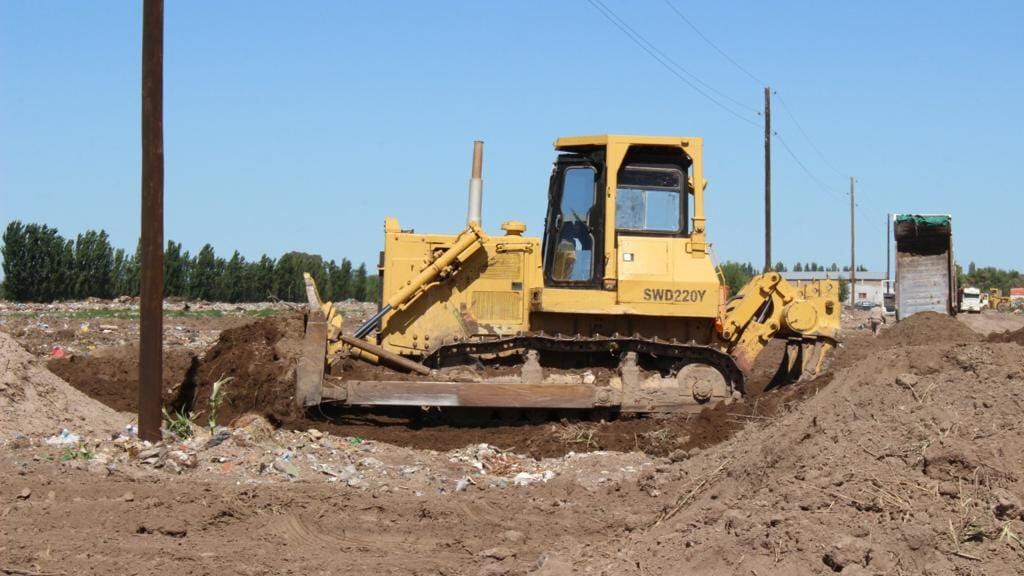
{"x": 618, "y": 306}
{"x": 925, "y": 268}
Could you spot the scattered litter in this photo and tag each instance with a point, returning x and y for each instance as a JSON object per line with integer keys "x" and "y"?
{"x": 65, "y": 437}
{"x": 463, "y": 483}
{"x": 217, "y": 439}
{"x": 526, "y": 478}
{"x": 286, "y": 467}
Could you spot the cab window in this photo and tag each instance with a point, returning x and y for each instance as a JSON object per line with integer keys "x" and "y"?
{"x": 648, "y": 200}
{"x": 574, "y": 236}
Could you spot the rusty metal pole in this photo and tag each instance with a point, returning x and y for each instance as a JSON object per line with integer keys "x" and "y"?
{"x": 152, "y": 266}
{"x": 476, "y": 184}
{"x": 853, "y": 249}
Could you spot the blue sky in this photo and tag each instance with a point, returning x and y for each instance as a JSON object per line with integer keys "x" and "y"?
{"x": 300, "y": 126}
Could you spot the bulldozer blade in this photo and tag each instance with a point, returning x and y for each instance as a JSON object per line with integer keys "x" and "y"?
{"x": 791, "y": 368}
{"x": 309, "y": 375}
{"x": 474, "y": 394}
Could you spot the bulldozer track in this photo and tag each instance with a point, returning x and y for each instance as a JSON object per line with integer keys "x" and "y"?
{"x": 615, "y": 345}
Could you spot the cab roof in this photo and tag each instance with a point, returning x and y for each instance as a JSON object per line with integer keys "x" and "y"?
{"x": 573, "y": 143}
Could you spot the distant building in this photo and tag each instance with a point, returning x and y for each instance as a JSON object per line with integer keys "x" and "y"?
{"x": 871, "y": 286}
{"x": 1016, "y": 295}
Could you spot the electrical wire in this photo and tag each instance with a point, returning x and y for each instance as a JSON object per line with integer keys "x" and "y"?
{"x": 682, "y": 17}
{"x": 807, "y": 137}
{"x": 681, "y": 73}
{"x": 668, "y": 63}
{"x": 811, "y": 175}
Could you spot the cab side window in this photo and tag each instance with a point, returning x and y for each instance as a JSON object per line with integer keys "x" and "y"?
{"x": 574, "y": 235}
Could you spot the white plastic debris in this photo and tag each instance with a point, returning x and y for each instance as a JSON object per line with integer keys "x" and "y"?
{"x": 526, "y": 478}
{"x": 65, "y": 437}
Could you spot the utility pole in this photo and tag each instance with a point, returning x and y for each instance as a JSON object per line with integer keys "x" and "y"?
{"x": 152, "y": 266}
{"x": 767, "y": 178}
{"x": 853, "y": 249}
{"x": 888, "y": 247}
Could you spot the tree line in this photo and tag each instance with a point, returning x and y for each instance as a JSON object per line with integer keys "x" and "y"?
{"x": 40, "y": 265}
{"x": 988, "y": 277}
{"x": 737, "y": 274}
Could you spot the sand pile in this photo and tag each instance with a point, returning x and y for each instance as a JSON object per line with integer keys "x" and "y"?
{"x": 911, "y": 461}
{"x": 1016, "y": 336}
{"x": 927, "y": 328}
{"x": 34, "y": 401}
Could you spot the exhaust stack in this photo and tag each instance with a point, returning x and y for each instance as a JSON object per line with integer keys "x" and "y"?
{"x": 476, "y": 184}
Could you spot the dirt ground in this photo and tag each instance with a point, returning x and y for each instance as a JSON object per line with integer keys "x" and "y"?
{"x": 906, "y": 457}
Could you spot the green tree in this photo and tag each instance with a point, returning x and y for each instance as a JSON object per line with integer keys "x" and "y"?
{"x": 93, "y": 265}
{"x": 359, "y": 281}
{"x": 131, "y": 273}
{"x": 736, "y": 275}
{"x": 288, "y": 275}
{"x": 65, "y": 279}
{"x": 798, "y": 267}
{"x": 263, "y": 279}
{"x": 230, "y": 281}
{"x": 117, "y": 279}
{"x": 341, "y": 281}
{"x": 19, "y": 278}
{"x": 175, "y": 270}
{"x": 373, "y": 288}
{"x": 35, "y": 263}
{"x": 779, "y": 267}
{"x": 203, "y": 280}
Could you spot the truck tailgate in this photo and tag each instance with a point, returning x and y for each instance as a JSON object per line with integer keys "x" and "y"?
{"x": 922, "y": 283}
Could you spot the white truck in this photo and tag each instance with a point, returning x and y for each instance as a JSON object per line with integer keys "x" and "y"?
{"x": 925, "y": 269}
{"x": 970, "y": 300}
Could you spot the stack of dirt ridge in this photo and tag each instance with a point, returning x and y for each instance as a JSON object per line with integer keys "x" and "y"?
{"x": 260, "y": 360}
{"x": 911, "y": 461}
{"x": 1016, "y": 336}
{"x": 35, "y": 402}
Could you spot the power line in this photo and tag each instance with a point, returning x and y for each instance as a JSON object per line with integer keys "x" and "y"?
{"x": 712, "y": 44}
{"x": 675, "y": 68}
{"x": 679, "y": 14}
{"x": 807, "y": 137}
{"x": 668, "y": 63}
{"x": 820, "y": 183}
{"x": 811, "y": 175}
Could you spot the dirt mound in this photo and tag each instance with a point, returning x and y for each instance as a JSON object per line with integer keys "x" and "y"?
{"x": 260, "y": 358}
{"x": 1015, "y": 336}
{"x": 900, "y": 465}
{"x": 33, "y": 401}
{"x": 926, "y": 328}
{"x": 111, "y": 375}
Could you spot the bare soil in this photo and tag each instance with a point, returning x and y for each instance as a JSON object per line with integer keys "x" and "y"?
{"x": 33, "y": 401}
{"x": 906, "y": 457}
{"x": 111, "y": 375}
{"x": 992, "y": 321}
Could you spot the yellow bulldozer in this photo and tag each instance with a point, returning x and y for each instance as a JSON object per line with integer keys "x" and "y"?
{"x": 619, "y": 306}
{"x": 996, "y": 300}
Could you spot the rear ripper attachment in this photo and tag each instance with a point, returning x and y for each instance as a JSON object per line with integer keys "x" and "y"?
{"x": 618, "y": 306}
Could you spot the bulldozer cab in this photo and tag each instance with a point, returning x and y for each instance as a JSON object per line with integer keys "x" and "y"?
{"x": 605, "y": 190}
